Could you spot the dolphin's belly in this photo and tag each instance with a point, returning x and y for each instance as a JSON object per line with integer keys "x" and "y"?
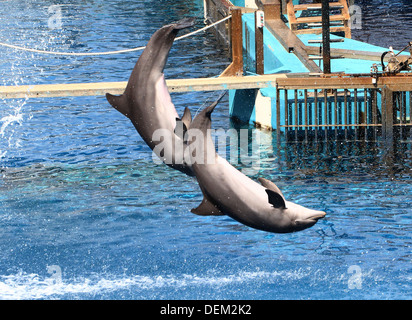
{"x": 154, "y": 115}
{"x": 234, "y": 193}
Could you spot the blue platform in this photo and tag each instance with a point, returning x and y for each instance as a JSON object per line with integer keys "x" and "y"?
{"x": 258, "y": 106}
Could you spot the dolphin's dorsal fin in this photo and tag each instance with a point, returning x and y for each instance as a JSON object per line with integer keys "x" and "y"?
{"x": 182, "y": 125}
{"x": 276, "y": 199}
{"x": 270, "y": 185}
{"x": 180, "y": 129}
{"x": 187, "y": 118}
{"x": 210, "y": 108}
{"x": 207, "y": 208}
{"x": 120, "y": 103}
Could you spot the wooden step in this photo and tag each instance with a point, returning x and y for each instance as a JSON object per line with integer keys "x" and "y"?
{"x": 318, "y": 24}
{"x": 316, "y": 6}
{"x": 336, "y": 17}
{"x": 319, "y": 30}
{"x": 321, "y": 57}
{"x": 338, "y": 22}
{"x": 331, "y": 40}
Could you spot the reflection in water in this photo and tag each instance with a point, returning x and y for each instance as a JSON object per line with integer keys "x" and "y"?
{"x": 350, "y": 160}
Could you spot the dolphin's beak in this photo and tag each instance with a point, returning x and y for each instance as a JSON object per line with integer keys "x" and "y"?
{"x": 319, "y": 215}
{"x": 310, "y": 220}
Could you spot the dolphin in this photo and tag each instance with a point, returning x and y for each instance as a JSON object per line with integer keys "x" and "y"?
{"x": 228, "y": 191}
{"x": 147, "y": 102}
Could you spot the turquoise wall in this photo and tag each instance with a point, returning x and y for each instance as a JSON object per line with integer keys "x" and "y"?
{"x": 239, "y": 3}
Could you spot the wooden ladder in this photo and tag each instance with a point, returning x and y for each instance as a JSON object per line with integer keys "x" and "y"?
{"x": 339, "y": 22}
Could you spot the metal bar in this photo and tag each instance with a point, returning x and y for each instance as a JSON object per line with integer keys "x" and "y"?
{"x": 286, "y": 115}
{"x": 315, "y": 93}
{"x": 365, "y": 120}
{"x": 278, "y": 114}
{"x": 374, "y": 110}
{"x": 306, "y": 114}
{"x": 404, "y": 109}
{"x": 325, "y": 120}
{"x": 336, "y": 114}
{"x": 310, "y": 107}
{"x": 410, "y": 107}
{"x": 355, "y": 116}
{"x": 296, "y": 115}
{"x": 326, "y": 36}
{"x": 345, "y": 106}
{"x": 401, "y": 108}
{"x": 332, "y": 125}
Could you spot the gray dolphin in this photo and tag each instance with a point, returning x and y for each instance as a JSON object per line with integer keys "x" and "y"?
{"x": 147, "y": 102}
{"x": 228, "y": 191}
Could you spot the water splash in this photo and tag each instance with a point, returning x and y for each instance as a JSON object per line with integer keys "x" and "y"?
{"x": 7, "y": 130}
{"x": 7, "y": 120}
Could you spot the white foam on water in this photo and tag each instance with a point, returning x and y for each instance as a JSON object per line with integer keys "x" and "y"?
{"x": 23, "y": 286}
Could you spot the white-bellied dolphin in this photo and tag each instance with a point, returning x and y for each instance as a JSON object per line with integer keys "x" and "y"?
{"x": 228, "y": 191}
{"x": 147, "y": 102}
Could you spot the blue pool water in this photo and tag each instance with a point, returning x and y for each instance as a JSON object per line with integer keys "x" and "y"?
{"x": 86, "y": 214}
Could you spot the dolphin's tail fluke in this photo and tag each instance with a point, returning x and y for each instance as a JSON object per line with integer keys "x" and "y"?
{"x": 119, "y": 103}
{"x": 184, "y": 23}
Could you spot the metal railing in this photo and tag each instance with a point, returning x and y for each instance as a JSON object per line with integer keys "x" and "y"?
{"x": 323, "y": 108}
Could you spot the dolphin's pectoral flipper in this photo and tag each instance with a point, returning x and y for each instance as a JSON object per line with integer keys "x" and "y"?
{"x": 270, "y": 185}
{"x": 276, "y": 199}
{"x": 207, "y": 208}
{"x": 119, "y": 103}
